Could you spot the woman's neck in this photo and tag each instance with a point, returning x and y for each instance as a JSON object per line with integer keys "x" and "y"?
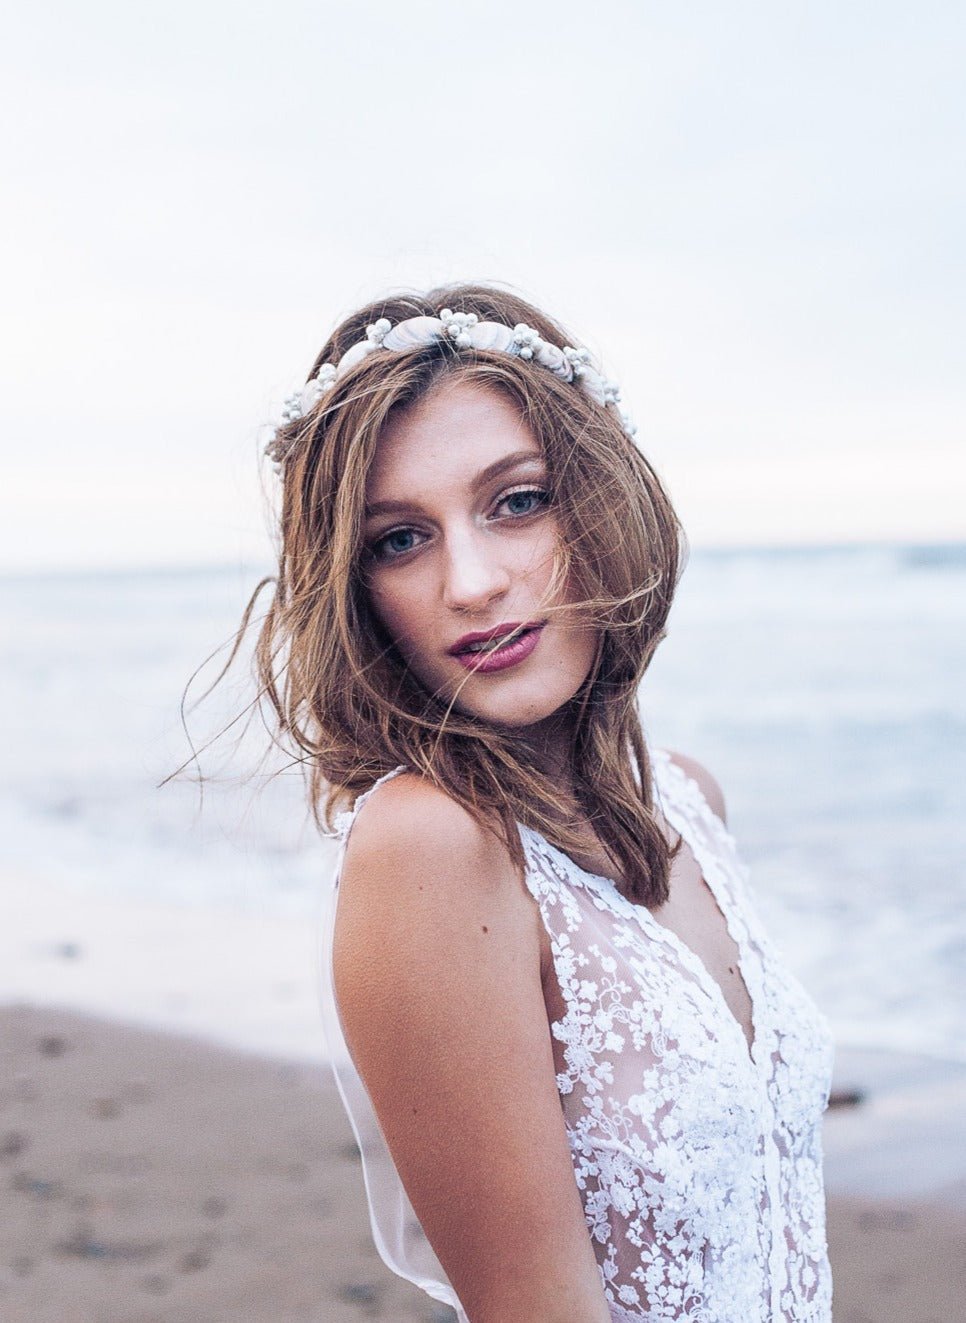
{"x": 550, "y": 744}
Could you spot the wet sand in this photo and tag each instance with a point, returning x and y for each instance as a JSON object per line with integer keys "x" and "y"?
{"x": 148, "y": 1178}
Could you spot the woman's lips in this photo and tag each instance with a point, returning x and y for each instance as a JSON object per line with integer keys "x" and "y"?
{"x": 498, "y": 659}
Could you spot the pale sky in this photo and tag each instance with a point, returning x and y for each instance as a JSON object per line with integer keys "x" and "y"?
{"x": 754, "y": 213}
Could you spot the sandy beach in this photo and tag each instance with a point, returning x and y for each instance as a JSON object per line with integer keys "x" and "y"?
{"x": 172, "y": 1148}
{"x": 152, "y": 1178}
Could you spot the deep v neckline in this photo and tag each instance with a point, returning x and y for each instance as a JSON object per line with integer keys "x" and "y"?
{"x": 685, "y": 953}
{"x": 688, "y": 957}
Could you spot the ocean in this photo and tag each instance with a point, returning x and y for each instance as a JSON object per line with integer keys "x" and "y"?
{"x": 824, "y": 688}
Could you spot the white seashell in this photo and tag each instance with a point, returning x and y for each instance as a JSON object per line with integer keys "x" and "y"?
{"x": 355, "y": 355}
{"x": 593, "y": 384}
{"x": 491, "y": 335}
{"x": 549, "y": 356}
{"x": 312, "y": 392}
{"x": 413, "y": 333}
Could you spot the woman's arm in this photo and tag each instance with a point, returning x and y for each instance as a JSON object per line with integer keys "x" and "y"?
{"x": 437, "y": 972}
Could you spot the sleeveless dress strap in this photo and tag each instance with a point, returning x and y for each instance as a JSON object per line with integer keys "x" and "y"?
{"x": 685, "y": 806}
{"x": 344, "y": 820}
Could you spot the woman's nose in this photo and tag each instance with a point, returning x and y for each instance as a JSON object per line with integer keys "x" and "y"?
{"x": 474, "y": 573}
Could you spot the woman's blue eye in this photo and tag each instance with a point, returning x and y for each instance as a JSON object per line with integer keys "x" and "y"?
{"x": 525, "y": 501}
{"x": 394, "y": 543}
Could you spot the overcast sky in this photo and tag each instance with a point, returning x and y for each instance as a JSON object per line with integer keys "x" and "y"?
{"x": 754, "y": 213}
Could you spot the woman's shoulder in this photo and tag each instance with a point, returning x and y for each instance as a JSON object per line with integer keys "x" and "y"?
{"x": 706, "y": 783}
{"x": 409, "y": 804}
{"x": 422, "y": 874}
{"x": 411, "y": 825}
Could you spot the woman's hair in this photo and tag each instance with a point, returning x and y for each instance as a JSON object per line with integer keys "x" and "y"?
{"x": 338, "y": 691}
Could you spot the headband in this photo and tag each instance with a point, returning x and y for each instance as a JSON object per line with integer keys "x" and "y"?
{"x": 462, "y": 330}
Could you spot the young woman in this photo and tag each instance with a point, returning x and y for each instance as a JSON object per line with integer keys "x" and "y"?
{"x": 584, "y": 1086}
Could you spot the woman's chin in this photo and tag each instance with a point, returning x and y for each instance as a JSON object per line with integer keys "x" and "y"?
{"x": 510, "y": 714}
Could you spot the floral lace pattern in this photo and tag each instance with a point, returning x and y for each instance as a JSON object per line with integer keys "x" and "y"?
{"x": 699, "y": 1161}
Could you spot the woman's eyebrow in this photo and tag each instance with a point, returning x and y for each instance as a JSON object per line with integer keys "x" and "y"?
{"x": 491, "y": 471}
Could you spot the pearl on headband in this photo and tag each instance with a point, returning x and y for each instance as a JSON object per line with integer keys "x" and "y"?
{"x": 463, "y": 330}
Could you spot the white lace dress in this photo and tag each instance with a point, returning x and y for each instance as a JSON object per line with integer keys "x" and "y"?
{"x": 699, "y": 1163}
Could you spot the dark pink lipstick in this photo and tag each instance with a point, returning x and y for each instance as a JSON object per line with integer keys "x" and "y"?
{"x": 480, "y": 650}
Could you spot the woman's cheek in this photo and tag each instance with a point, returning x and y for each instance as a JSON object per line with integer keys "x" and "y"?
{"x": 403, "y": 617}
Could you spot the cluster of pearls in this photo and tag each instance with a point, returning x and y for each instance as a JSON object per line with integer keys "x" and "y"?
{"x": 457, "y": 327}
{"x": 300, "y": 403}
{"x": 527, "y": 340}
{"x": 579, "y": 359}
{"x": 462, "y": 330}
{"x": 375, "y": 334}
{"x": 292, "y": 408}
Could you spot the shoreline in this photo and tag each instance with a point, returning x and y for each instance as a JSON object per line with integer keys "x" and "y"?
{"x": 245, "y": 980}
{"x": 151, "y": 1177}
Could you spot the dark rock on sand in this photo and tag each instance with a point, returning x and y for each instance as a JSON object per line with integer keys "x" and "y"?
{"x": 13, "y": 1143}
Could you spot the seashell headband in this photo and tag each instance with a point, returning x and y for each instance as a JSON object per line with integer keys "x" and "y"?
{"x": 463, "y": 330}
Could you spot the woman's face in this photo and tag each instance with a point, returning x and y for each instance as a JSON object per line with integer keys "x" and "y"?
{"x": 460, "y": 535}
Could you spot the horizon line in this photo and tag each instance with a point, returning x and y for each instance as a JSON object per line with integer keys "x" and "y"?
{"x": 242, "y": 565}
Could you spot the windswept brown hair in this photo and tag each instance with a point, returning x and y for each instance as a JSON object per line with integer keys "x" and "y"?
{"x": 338, "y": 691}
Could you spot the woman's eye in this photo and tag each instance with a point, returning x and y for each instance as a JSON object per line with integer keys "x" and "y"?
{"x": 525, "y": 501}
{"x": 396, "y": 543}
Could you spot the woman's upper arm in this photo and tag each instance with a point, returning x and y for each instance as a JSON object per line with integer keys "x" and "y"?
{"x": 437, "y": 971}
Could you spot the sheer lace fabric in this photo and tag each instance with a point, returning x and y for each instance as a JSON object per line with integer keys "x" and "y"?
{"x": 699, "y": 1162}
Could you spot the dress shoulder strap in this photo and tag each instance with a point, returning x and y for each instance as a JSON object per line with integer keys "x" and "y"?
{"x": 685, "y": 806}
{"x": 683, "y": 802}
{"x": 345, "y": 819}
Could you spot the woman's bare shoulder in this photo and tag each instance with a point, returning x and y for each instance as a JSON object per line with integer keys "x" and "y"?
{"x": 412, "y": 824}
{"x": 708, "y": 785}
{"x": 426, "y": 885}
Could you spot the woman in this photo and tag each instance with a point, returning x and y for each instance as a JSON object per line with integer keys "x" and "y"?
{"x": 583, "y": 1083}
